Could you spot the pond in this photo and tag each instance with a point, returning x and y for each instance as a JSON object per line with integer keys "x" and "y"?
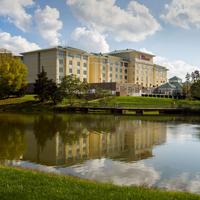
{"x": 156, "y": 151}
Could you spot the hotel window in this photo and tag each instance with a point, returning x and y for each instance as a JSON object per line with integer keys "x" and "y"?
{"x": 78, "y": 56}
{"x": 85, "y": 72}
{"x": 126, "y": 64}
{"x": 104, "y": 75}
{"x": 61, "y": 53}
{"x": 121, "y": 77}
{"x": 70, "y": 62}
{"x": 85, "y": 57}
{"x": 120, "y": 70}
{"x": 125, "y": 77}
{"x": 60, "y": 78}
{"x": 125, "y": 71}
{"x": 70, "y": 55}
{"x": 110, "y": 75}
{"x": 61, "y": 61}
{"x": 70, "y": 70}
{"x": 78, "y": 71}
{"x": 85, "y": 65}
{"x": 110, "y": 68}
{"x": 61, "y": 69}
{"x": 78, "y": 64}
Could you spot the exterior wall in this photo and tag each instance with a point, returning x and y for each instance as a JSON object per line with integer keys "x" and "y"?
{"x": 48, "y": 62}
{"x": 73, "y": 61}
{"x": 31, "y": 61}
{"x": 36, "y": 60}
{"x": 160, "y": 75}
{"x": 107, "y": 69}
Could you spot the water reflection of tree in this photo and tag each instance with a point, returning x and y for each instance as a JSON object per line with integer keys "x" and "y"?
{"x": 12, "y": 143}
{"x": 45, "y": 128}
{"x": 70, "y": 127}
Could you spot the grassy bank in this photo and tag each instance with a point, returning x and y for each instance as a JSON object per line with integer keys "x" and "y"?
{"x": 146, "y": 102}
{"x": 25, "y": 104}
{"x": 29, "y": 104}
{"x": 19, "y": 184}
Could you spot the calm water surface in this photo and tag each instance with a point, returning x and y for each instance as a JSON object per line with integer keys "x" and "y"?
{"x": 125, "y": 150}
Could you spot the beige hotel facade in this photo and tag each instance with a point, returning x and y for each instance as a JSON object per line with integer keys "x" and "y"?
{"x": 125, "y": 66}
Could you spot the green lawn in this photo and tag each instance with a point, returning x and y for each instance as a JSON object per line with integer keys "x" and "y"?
{"x": 19, "y": 100}
{"x": 17, "y": 184}
{"x": 29, "y": 104}
{"x": 145, "y": 102}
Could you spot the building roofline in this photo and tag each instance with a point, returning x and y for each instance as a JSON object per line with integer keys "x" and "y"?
{"x": 56, "y": 47}
{"x": 175, "y": 77}
{"x": 162, "y": 67}
{"x": 128, "y": 51}
{"x": 106, "y": 56}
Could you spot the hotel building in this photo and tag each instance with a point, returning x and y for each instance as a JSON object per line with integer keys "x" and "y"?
{"x": 57, "y": 62}
{"x": 141, "y": 68}
{"x": 129, "y": 68}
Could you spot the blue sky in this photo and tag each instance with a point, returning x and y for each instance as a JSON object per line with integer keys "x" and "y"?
{"x": 169, "y": 29}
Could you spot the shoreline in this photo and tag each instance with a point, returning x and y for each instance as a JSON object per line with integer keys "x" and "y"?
{"x": 35, "y": 108}
{"x": 114, "y": 105}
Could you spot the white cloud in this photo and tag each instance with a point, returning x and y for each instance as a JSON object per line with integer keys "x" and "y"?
{"x": 119, "y": 173}
{"x": 16, "y": 13}
{"x": 134, "y": 23}
{"x": 16, "y": 44}
{"x": 89, "y": 40}
{"x": 183, "y": 182}
{"x": 176, "y": 67}
{"x": 48, "y": 24}
{"x": 183, "y": 13}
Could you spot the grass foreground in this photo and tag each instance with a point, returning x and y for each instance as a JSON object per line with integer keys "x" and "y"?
{"x": 28, "y": 103}
{"x": 18, "y": 184}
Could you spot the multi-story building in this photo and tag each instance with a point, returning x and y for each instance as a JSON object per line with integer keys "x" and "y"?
{"x": 141, "y": 68}
{"x": 128, "y": 68}
{"x": 57, "y": 62}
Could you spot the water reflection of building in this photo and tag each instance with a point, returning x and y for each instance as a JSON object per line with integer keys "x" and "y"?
{"x": 131, "y": 140}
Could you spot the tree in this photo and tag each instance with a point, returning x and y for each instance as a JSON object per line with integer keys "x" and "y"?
{"x": 84, "y": 87}
{"x": 195, "y": 76}
{"x": 195, "y": 90}
{"x": 44, "y": 87}
{"x": 12, "y": 75}
{"x": 12, "y": 145}
{"x": 70, "y": 87}
{"x": 56, "y": 94}
{"x": 187, "y": 85}
{"x": 187, "y": 77}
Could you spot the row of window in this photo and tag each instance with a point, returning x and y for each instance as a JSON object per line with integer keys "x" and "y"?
{"x": 61, "y": 62}
{"x": 61, "y": 70}
{"x": 111, "y": 69}
{"x": 61, "y": 77}
{"x": 63, "y": 54}
{"x": 116, "y": 76}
